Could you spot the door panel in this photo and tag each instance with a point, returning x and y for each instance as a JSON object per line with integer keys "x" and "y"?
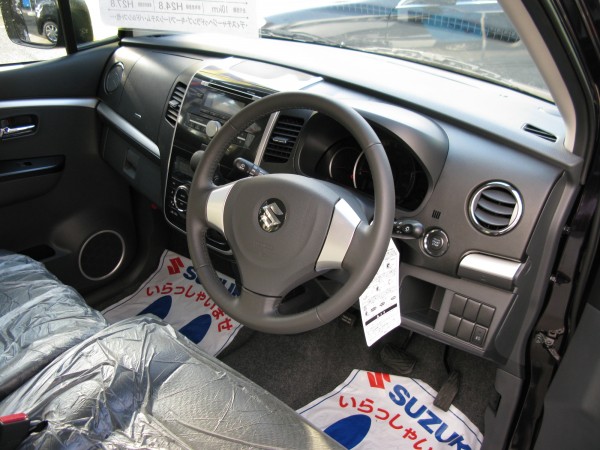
{"x": 59, "y": 201}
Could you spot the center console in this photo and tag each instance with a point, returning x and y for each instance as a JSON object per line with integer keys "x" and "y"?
{"x": 209, "y": 101}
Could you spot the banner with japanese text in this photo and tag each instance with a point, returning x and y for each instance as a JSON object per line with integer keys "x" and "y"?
{"x": 175, "y": 294}
{"x": 376, "y": 410}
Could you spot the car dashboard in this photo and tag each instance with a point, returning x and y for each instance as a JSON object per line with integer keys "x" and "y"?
{"x": 476, "y": 192}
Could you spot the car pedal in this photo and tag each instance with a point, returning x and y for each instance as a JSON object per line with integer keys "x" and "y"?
{"x": 396, "y": 358}
{"x": 448, "y": 391}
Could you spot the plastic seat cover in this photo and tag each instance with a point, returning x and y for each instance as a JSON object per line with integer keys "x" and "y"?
{"x": 139, "y": 383}
{"x": 40, "y": 318}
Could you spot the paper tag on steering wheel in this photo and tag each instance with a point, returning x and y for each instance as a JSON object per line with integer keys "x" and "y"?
{"x": 380, "y": 303}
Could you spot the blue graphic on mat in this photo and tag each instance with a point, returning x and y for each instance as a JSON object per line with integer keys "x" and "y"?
{"x": 159, "y": 307}
{"x": 197, "y": 328}
{"x": 350, "y": 431}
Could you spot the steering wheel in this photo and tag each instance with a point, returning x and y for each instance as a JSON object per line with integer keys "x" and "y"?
{"x": 286, "y": 229}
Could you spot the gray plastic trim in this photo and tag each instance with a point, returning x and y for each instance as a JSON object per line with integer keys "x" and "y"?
{"x": 215, "y": 207}
{"x": 489, "y": 269}
{"x": 341, "y": 231}
{"x": 108, "y": 114}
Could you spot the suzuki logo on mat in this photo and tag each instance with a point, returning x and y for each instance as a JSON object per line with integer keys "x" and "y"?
{"x": 271, "y": 215}
{"x": 175, "y": 266}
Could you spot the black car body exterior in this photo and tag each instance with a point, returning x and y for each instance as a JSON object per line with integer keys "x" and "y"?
{"x": 473, "y": 126}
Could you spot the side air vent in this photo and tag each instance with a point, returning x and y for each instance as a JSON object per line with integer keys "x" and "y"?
{"x": 495, "y": 208}
{"x": 283, "y": 139}
{"x": 539, "y": 132}
{"x": 175, "y": 102}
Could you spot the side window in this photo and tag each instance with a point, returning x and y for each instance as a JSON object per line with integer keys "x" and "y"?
{"x": 32, "y": 29}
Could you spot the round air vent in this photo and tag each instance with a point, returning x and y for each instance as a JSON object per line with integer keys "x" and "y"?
{"x": 495, "y": 208}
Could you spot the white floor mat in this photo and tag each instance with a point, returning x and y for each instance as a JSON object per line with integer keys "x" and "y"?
{"x": 174, "y": 294}
{"x": 374, "y": 410}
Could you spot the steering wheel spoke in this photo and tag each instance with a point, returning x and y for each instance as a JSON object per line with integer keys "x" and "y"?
{"x": 215, "y": 207}
{"x": 344, "y": 223}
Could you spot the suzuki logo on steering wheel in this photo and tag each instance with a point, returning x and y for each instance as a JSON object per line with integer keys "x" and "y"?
{"x": 271, "y": 215}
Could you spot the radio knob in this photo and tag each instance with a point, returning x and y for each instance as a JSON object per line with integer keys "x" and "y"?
{"x": 212, "y": 128}
{"x": 180, "y": 198}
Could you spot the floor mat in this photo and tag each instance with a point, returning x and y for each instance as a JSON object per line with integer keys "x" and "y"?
{"x": 375, "y": 410}
{"x": 174, "y": 293}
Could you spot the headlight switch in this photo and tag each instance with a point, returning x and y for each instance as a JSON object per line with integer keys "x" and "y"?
{"x": 407, "y": 229}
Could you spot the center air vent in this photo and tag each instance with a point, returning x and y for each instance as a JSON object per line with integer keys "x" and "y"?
{"x": 283, "y": 139}
{"x": 495, "y": 208}
{"x": 175, "y": 102}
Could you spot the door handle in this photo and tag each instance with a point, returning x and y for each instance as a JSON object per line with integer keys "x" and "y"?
{"x": 8, "y": 132}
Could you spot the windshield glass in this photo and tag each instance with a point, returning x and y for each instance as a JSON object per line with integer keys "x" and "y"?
{"x": 471, "y": 37}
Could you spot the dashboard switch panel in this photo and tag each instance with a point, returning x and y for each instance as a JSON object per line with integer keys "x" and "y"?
{"x": 469, "y": 320}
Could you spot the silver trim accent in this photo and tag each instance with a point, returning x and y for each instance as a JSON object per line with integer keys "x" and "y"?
{"x": 16, "y": 131}
{"x": 215, "y": 207}
{"x": 262, "y": 146}
{"x": 341, "y": 231}
{"x": 181, "y": 187}
{"x": 107, "y": 113}
{"x": 169, "y": 156}
{"x": 433, "y": 252}
{"x": 50, "y": 102}
{"x": 491, "y": 270}
{"x": 517, "y": 212}
{"x": 117, "y": 266}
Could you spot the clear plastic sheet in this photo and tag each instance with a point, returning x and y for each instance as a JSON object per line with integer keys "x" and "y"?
{"x": 40, "y": 318}
{"x": 140, "y": 384}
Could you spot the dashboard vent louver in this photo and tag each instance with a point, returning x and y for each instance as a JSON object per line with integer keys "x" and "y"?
{"x": 495, "y": 208}
{"x": 175, "y": 102}
{"x": 539, "y": 132}
{"x": 283, "y": 139}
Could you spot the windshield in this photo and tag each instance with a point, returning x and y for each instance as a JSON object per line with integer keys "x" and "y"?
{"x": 471, "y": 37}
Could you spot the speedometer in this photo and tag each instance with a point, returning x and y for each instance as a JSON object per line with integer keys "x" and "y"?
{"x": 403, "y": 171}
{"x": 342, "y": 163}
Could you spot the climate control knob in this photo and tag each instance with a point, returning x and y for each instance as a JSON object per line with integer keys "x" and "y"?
{"x": 180, "y": 197}
{"x": 212, "y": 128}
